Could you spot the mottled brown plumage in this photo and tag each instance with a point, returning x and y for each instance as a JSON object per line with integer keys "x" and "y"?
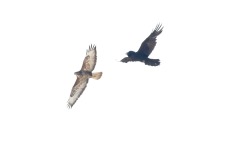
{"x": 84, "y": 74}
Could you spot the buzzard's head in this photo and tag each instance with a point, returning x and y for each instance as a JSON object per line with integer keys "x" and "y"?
{"x": 131, "y": 54}
{"x": 83, "y": 73}
{"x": 77, "y": 73}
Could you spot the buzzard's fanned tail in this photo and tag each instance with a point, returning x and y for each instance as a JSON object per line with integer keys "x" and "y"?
{"x": 152, "y": 62}
{"x": 97, "y": 75}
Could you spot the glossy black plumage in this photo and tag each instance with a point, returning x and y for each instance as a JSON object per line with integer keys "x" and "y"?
{"x": 146, "y": 49}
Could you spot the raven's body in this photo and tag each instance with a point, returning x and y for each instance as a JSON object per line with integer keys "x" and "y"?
{"x": 145, "y": 49}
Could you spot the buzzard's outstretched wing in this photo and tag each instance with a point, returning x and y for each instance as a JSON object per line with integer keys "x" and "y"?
{"x": 90, "y": 59}
{"x": 77, "y": 89}
{"x": 149, "y": 43}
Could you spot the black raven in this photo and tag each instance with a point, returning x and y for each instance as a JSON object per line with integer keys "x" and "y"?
{"x": 145, "y": 49}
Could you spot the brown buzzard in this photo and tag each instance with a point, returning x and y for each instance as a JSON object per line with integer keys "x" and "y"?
{"x": 84, "y": 74}
{"x": 145, "y": 49}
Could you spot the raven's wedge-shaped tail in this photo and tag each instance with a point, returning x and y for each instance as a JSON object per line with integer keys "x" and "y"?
{"x": 152, "y": 62}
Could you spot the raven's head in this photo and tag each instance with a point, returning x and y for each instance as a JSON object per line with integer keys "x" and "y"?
{"x": 131, "y": 54}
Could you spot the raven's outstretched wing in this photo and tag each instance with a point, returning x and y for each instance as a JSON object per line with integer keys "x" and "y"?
{"x": 149, "y": 43}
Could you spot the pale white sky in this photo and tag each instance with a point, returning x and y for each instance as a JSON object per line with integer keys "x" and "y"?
{"x": 187, "y": 108}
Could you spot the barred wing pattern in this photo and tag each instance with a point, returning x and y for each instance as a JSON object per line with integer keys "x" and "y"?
{"x": 90, "y": 60}
{"x": 83, "y": 75}
{"x": 77, "y": 89}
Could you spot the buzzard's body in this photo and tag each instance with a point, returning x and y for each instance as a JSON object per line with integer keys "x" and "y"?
{"x": 83, "y": 75}
{"x": 145, "y": 49}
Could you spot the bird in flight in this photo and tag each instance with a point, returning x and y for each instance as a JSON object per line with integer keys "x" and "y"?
{"x": 145, "y": 49}
{"x": 84, "y": 74}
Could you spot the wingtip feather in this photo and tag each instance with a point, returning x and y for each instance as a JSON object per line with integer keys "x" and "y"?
{"x": 91, "y": 47}
{"x": 158, "y": 28}
{"x": 69, "y": 105}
